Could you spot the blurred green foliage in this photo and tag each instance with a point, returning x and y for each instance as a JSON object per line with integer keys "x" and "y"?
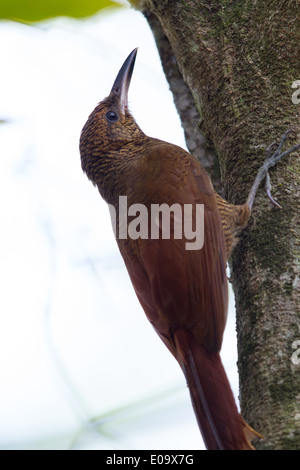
{"x": 30, "y": 11}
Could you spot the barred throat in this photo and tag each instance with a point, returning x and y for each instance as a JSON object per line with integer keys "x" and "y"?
{"x": 233, "y": 217}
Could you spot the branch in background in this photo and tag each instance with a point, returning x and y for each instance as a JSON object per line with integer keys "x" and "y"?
{"x": 185, "y": 104}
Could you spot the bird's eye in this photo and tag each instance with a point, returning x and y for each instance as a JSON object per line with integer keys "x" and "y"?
{"x": 112, "y": 116}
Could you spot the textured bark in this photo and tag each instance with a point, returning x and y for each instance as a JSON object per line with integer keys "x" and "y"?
{"x": 238, "y": 60}
{"x": 190, "y": 117}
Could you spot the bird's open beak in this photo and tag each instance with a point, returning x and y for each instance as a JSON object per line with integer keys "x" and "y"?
{"x": 122, "y": 82}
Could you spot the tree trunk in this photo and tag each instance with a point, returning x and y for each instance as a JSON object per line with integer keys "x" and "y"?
{"x": 239, "y": 60}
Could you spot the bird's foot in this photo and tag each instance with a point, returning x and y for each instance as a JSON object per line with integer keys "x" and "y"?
{"x": 268, "y": 191}
{"x": 271, "y": 160}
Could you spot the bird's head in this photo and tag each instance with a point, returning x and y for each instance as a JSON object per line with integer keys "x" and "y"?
{"x": 110, "y": 128}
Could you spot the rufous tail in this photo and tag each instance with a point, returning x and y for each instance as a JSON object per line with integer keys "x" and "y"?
{"x": 220, "y": 423}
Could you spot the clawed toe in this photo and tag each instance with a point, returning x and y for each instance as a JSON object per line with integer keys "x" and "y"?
{"x": 274, "y": 158}
{"x": 270, "y": 161}
{"x": 268, "y": 190}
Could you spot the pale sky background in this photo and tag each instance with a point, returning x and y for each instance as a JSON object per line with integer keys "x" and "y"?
{"x": 76, "y": 349}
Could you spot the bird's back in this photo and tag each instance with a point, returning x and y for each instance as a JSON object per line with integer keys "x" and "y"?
{"x": 177, "y": 287}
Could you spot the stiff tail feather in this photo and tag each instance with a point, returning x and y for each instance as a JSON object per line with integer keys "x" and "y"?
{"x": 220, "y": 423}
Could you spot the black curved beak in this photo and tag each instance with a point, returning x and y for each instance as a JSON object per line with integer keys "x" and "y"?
{"x": 122, "y": 82}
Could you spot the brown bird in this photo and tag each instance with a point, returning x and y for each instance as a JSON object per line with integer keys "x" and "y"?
{"x": 182, "y": 288}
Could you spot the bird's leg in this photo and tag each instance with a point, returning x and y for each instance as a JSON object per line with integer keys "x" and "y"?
{"x": 268, "y": 163}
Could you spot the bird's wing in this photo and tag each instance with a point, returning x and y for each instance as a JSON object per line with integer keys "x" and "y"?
{"x": 184, "y": 292}
{"x": 180, "y": 288}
